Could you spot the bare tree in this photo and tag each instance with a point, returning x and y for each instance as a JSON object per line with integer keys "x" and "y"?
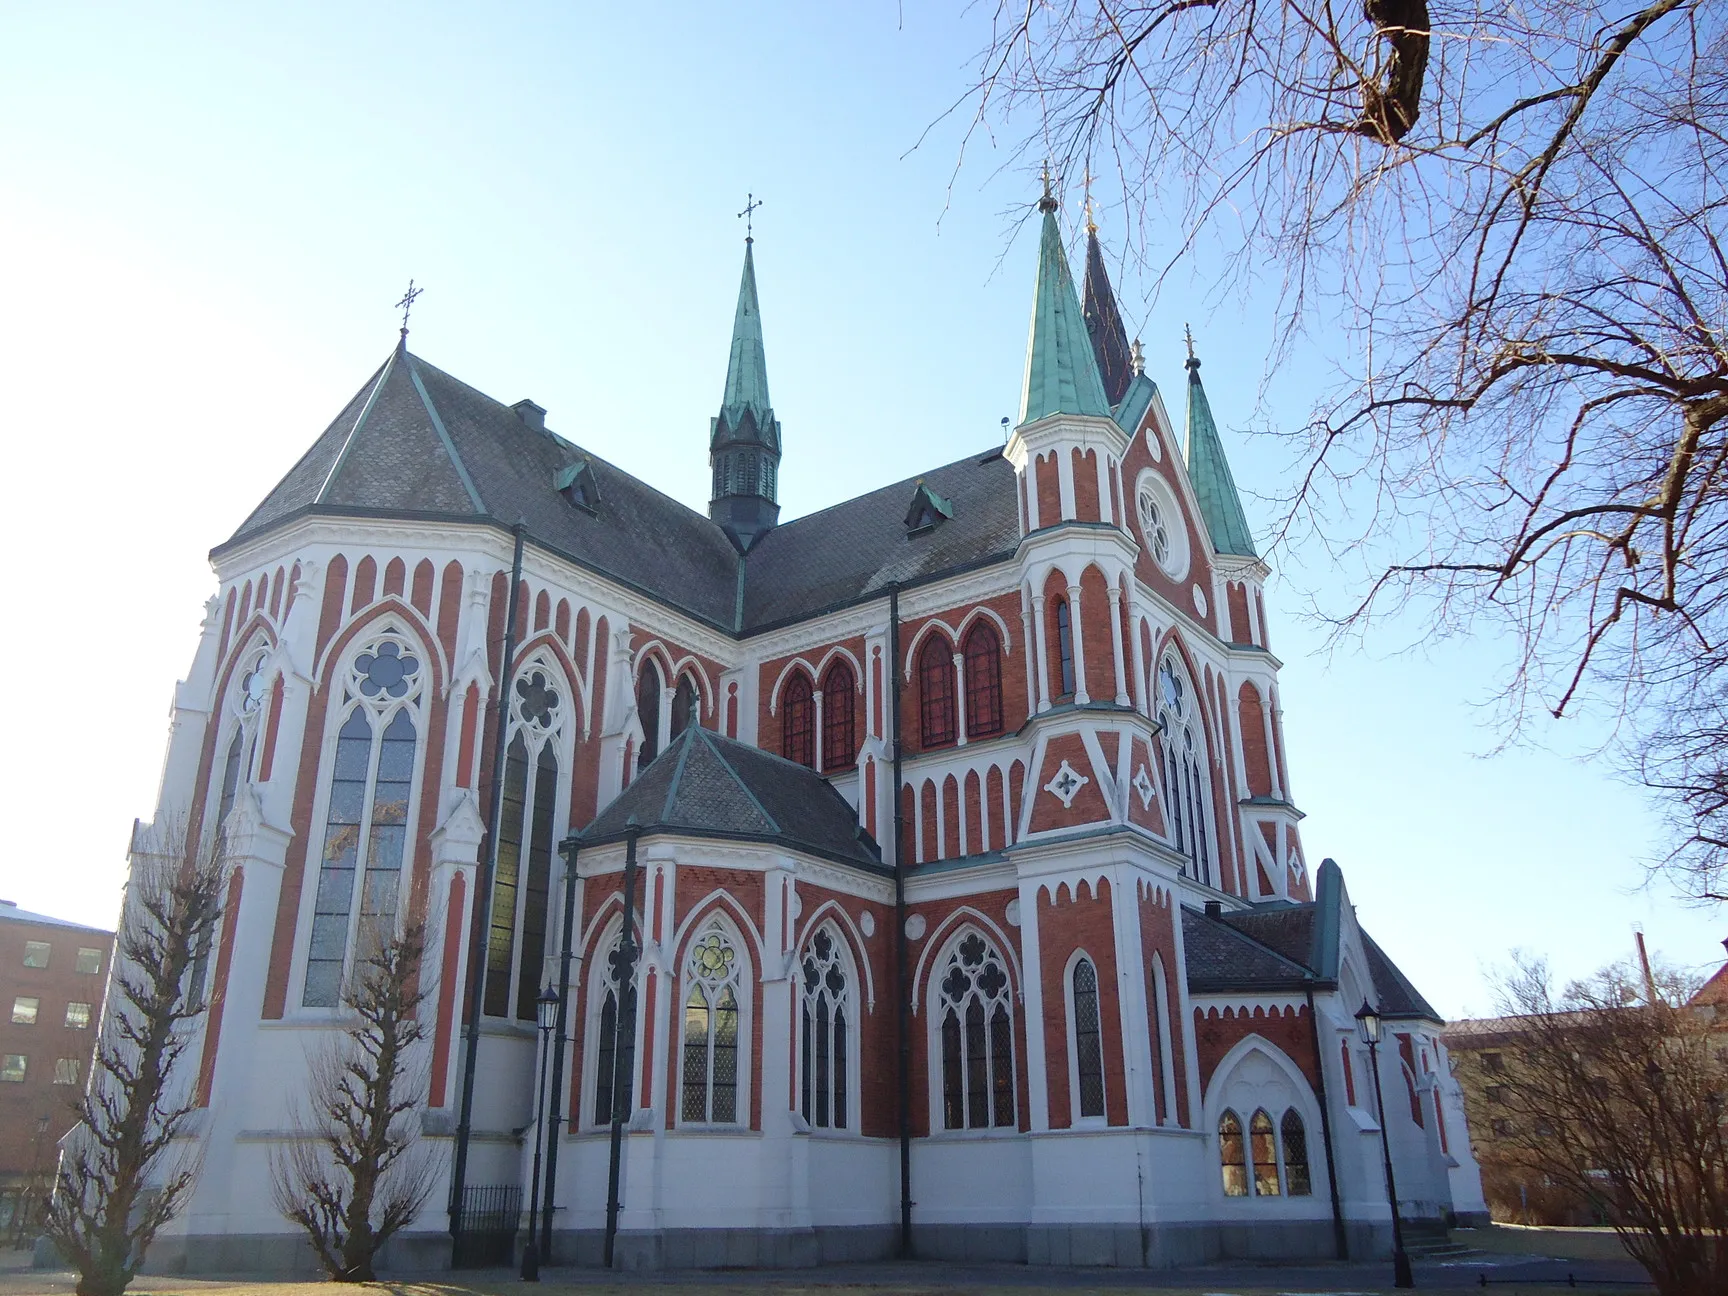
{"x": 363, "y": 1175}
{"x": 121, "y": 1177}
{"x": 1505, "y": 225}
{"x": 1607, "y": 1097}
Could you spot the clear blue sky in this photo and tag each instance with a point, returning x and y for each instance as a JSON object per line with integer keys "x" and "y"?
{"x": 206, "y": 212}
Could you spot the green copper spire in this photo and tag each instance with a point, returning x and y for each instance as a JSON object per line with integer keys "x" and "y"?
{"x": 1061, "y": 371}
{"x": 1209, "y": 472}
{"x": 747, "y": 367}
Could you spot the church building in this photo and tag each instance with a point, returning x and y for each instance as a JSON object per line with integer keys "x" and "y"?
{"x": 924, "y": 872}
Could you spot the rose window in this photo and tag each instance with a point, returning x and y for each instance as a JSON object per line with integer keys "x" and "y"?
{"x": 386, "y": 671}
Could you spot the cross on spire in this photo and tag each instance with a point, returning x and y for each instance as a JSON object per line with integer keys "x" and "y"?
{"x": 1091, "y": 224}
{"x": 751, "y": 203}
{"x": 1048, "y": 202}
{"x": 407, "y": 304}
{"x": 1193, "y": 362}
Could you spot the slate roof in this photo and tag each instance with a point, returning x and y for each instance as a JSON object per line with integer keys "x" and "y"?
{"x": 705, "y": 785}
{"x": 415, "y": 442}
{"x": 1398, "y": 998}
{"x": 1219, "y": 958}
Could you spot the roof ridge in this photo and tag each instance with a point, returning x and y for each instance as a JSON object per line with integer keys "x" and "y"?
{"x": 677, "y": 774}
{"x": 444, "y": 436}
{"x": 913, "y": 480}
{"x": 382, "y": 377}
{"x": 738, "y": 778}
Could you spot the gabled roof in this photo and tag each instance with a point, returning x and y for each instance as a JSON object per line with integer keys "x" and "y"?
{"x": 1061, "y": 373}
{"x": 1219, "y": 958}
{"x": 705, "y": 785}
{"x": 857, "y": 549}
{"x": 1398, "y": 998}
{"x": 1209, "y": 471}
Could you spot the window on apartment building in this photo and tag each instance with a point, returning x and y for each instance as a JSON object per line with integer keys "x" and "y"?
{"x": 67, "y": 1071}
{"x": 35, "y": 954}
{"x": 89, "y": 961}
{"x": 24, "y": 1010}
{"x": 1502, "y": 1127}
{"x": 78, "y": 1016}
{"x": 1496, "y": 1093}
{"x": 12, "y": 1068}
{"x": 1493, "y": 1063}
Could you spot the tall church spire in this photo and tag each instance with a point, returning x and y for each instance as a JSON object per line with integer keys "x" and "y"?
{"x": 1061, "y": 372}
{"x": 1104, "y": 323}
{"x": 1209, "y": 471}
{"x": 744, "y": 438}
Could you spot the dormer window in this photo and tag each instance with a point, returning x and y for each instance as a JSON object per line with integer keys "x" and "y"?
{"x": 928, "y": 511}
{"x": 576, "y": 484}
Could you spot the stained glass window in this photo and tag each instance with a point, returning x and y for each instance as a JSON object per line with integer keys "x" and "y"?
{"x": 1088, "y": 1043}
{"x": 522, "y": 879}
{"x": 1296, "y": 1179}
{"x": 1265, "y": 1151}
{"x": 798, "y": 720}
{"x": 709, "y": 1079}
{"x": 977, "y": 1037}
{"x": 983, "y": 654}
{"x": 614, "y": 1037}
{"x": 1232, "y": 1154}
{"x": 366, "y": 819}
{"x": 1185, "y": 783}
{"x": 839, "y": 718}
{"x": 824, "y": 1024}
{"x": 936, "y": 692}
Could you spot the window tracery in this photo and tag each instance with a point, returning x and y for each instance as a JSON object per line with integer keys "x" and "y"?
{"x": 977, "y": 1037}
{"x": 1088, "y": 1039}
{"x": 1271, "y": 1161}
{"x": 614, "y": 1036}
{"x": 713, "y": 975}
{"x": 366, "y": 819}
{"x": 1184, "y": 770}
{"x": 521, "y": 877}
{"x": 825, "y": 1045}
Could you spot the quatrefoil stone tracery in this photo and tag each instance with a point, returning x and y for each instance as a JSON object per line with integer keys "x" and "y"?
{"x": 1143, "y": 787}
{"x": 1066, "y": 784}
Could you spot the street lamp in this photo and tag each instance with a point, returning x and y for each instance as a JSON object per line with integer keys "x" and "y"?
{"x": 547, "y": 1010}
{"x": 1368, "y": 1026}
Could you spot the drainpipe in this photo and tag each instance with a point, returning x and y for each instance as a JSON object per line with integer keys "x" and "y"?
{"x": 483, "y": 894}
{"x": 623, "y": 1020}
{"x": 1339, "y": 1240}
{"x": 561, "y": 1037}
{"x": 903, "y": 993}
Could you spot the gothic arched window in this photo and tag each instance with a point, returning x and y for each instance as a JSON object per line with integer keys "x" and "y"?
{"x": 1264, "y": 1148}
{"x": 798, "y": 720}
{"x": 839, "y": 718}
{"x": 977, "y": 1036}
{"x": 1088, "y": 1039}
{"x": 714, "y": 984}
{"x": 982, "y": 651}
{"x": 648, "y": 688}
{"x": 1064, "y": 651}
{"x": 1232, "y": 1155}
{"x": 686, "y": 705}
{"x": 615, "y": 1035}
{"x": 1297, "y": 1182}
{"x": 823, "y": 1040}
{"x": 521, "y": 880}
{"x": 366, "y": 819}
{"x": 936, "y": 692}
{"x": 1185, "y": 782}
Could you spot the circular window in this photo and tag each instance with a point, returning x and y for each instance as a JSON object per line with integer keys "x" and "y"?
{"x": 1161, "y": 525}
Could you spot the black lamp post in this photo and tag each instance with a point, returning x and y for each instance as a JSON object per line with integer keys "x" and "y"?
{"x": 1368, "y": 1026}
{"x": 547, "y": 1011}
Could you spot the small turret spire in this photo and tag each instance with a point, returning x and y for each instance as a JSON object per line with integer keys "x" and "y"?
{"x": 1103, "y": 321}
{"x": 1209, "y": 470}
{"x": 744, "y": 438}
{"x": 1061, "y": 371}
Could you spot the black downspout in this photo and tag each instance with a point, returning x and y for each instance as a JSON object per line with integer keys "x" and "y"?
{"x": 483, "y": 898}
{"x": 561, "y": 1037}
{"x": 621, "y": 1021}
{"x": 902, "y": 989}
{"x": 1339, "y": 1240}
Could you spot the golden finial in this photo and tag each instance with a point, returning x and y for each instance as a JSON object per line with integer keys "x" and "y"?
{"x": 1048, "y": 202}
{"x": 1091, "y": 225}
{"x": 1193, "y": 363}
